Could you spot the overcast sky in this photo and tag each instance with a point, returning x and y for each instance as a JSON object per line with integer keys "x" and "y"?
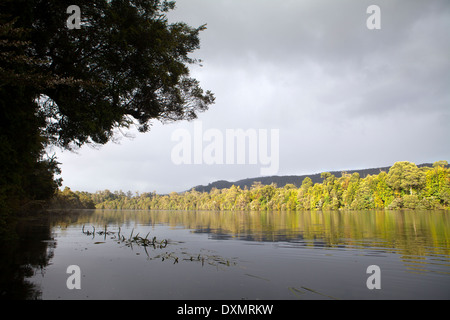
{"x": 340, "y": 95}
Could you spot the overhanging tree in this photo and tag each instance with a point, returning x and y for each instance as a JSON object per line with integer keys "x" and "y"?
{"x": 126, "y": 65}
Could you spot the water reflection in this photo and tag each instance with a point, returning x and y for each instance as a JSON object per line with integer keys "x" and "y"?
{"x": 420, "y": 239}
{"x": 410, "y": 233}
{"x": 27, "y": 250}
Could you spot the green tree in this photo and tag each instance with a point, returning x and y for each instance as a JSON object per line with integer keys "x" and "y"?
{"x": 404, "y": 177}
{"x": 363, "y": 197}
{"x": 383, "y": 194}
{"x": 126, "y": 66}
{"x": 316, "y": 196}
{"x": 441, "y": 164}
{"x": 290, "y": 197}
{"x": 26, "y": 171}
{"x": 349, "y": 194}
{"x": 128, "y": 63}
{"x": 303, "y": 202}
{"x": 438, "y": 183}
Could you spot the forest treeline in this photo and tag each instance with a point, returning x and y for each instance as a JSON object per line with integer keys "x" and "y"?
{"x": 403, "y": 186}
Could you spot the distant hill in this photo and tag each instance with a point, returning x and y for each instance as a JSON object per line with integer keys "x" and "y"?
{"x": 281, "y": 181}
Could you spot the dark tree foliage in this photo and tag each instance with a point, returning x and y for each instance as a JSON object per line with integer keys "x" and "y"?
{"x": 126, "y": 65}
{"x": 26, "y": 174}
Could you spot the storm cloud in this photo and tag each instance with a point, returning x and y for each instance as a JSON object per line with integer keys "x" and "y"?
{"x": 342, "y": 96}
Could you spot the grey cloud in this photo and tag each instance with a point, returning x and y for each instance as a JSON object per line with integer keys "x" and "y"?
{"x": 343, "y": 96}
{"x": 405, "y": 55}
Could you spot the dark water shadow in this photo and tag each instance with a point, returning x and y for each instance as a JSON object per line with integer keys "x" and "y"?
{"x": 26, "y": 248}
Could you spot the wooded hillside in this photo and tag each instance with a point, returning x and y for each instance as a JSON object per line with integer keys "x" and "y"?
{"x": 404, "y": 185}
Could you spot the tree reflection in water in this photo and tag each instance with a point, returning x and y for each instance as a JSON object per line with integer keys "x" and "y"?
{"x": 419, "y": 238}
{"x": 26, "y": 251}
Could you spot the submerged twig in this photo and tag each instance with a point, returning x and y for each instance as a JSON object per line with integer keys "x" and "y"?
{"x": 159, "y": 244}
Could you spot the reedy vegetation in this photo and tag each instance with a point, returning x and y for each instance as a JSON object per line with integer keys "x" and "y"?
{"x": 404, "y": 186}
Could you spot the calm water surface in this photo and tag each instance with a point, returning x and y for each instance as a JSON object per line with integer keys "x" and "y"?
{"x": 229, "y": 255}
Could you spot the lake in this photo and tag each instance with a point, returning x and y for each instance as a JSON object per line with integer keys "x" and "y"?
{"x": 228, "y": 255}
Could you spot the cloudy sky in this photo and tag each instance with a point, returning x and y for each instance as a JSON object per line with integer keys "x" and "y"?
{"x": 341, "y": 96}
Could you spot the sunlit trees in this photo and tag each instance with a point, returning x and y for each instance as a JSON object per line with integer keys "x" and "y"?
{"x": 403, "y": 188}
{"x": 405, "y": 177}
{"x": 349, "y": 194}
{"x": 382, "y": 193}
{"x": 363, "y": 196}
{"x": 67, "y": 199}
{"x": 290, "y": 197}
{"x": 437, "y": 186}
{"x": 303, "y": 202}
{"x": 229, "y": 198}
